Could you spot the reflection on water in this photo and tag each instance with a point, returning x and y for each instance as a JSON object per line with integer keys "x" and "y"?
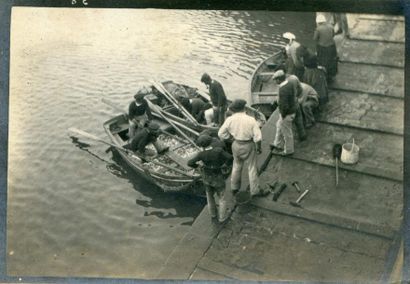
{"x": 74, "y": 208}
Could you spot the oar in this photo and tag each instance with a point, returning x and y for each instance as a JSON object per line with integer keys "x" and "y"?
{"x": 337, "y": 152}
{"x": 175, "y": 120}
{"x": 111, "y": 104}
{"x": 159, "y": 111}
{"x": 164, "y": 91}
{"x": 92, "y": 137}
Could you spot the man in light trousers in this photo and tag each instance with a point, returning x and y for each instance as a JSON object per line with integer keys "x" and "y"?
{"x": 284, "y": 142}
{"x": 247, "y": 140}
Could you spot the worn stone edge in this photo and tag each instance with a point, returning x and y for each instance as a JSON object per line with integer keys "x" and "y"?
{"x": 382, "y": 231}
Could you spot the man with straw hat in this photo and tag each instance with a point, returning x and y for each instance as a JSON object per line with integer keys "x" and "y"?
{"x": 295, "y": 53}
{"x": 247, "y": 140}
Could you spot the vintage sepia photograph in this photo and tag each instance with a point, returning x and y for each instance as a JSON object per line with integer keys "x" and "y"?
{"x": 189, "y": 144}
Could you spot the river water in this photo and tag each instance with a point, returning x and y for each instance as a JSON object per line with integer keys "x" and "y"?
{"x": 73, "y": 208}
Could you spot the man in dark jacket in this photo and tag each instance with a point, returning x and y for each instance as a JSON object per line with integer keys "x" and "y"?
{"x": 284, "y": 143}
{"x": 218, "y": 98}
{"x": 196, "y": 107}
{"x": 213, "y": 160}
{"x": 145, "y": 136}
{"x": 138, "y": 113}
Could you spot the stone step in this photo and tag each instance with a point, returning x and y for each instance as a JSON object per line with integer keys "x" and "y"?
{"x": 364, "y": 111}
{"x": 382, "y": 17}
{"x": 370, "y": 79}
{"x": 353, "y": 204}
{"x": 380, "y": 154}
{"x": 378, "y": 29}
{"x": 371, "y": 52}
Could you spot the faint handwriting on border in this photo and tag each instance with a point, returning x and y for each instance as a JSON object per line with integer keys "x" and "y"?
{"x": 85, "y": 3}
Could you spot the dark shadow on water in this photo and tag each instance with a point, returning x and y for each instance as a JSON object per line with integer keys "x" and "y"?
{"x": 184, "y": 205}
{"x": 84, "y": 146}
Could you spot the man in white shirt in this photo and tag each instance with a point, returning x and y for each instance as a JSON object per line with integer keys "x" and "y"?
{"x": 247, "y": 140}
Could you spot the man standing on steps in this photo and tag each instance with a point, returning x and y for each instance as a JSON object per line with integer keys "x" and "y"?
{"x": 284, "y": 144}
{"x": 218, "y": 98}
{"x": 247, "y": 140}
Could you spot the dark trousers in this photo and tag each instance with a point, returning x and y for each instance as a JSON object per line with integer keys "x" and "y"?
{"x": 219, "y": 115}
{"x": 300, "y": 128}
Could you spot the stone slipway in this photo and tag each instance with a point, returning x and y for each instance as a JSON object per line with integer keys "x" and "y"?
{"x": 265, "y": 246}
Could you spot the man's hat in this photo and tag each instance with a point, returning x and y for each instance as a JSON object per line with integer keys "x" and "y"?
{"x": 289, "y": 36}
{"x": 204, "y": 140}
{"x": 139, "y": 96}
{"x": 237, "y": 105}
{"x": 205, "y": 78}
{"x": 320, "y": 19}
{"x": 153, "y": 126}
{"x": 278, "y": 74}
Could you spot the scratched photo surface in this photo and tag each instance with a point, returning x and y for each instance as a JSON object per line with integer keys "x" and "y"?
{"x": 75, "y": 209}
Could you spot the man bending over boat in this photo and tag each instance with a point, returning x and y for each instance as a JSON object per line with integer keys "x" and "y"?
{"x": 144, "y": 136}
{"x": 309, "y": 101}
{"x": 214, "y": 160}
{"x": 138, "y": 113}
{"x": 196, "y": 107}
{"x": 218, "y": 98}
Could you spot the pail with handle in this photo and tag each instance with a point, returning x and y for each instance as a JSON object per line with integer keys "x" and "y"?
{"x": 350, "y": 153}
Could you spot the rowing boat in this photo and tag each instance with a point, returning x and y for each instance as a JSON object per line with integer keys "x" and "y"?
{"x": 168, "y": 171}
{"x": 263, "y": 89}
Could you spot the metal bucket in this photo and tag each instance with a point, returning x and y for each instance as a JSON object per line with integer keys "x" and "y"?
{"x": 350, "y": 153}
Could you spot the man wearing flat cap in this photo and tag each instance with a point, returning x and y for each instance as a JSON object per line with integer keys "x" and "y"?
{"x": 144, "y": 136}
{"x": 214, "y": 159}
{"x": 138, "y": 112}
{"x": 247, "y": 140}
{"x": 284, "y": 142}
{"x": 218, "y": 98}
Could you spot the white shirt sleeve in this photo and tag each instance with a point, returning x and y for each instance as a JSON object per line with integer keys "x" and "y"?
{"x": 223, "y": 132}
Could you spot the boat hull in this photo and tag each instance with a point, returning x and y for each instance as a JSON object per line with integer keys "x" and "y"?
{"x": 263, "y": 89}
{"x": 116, "y": 129}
